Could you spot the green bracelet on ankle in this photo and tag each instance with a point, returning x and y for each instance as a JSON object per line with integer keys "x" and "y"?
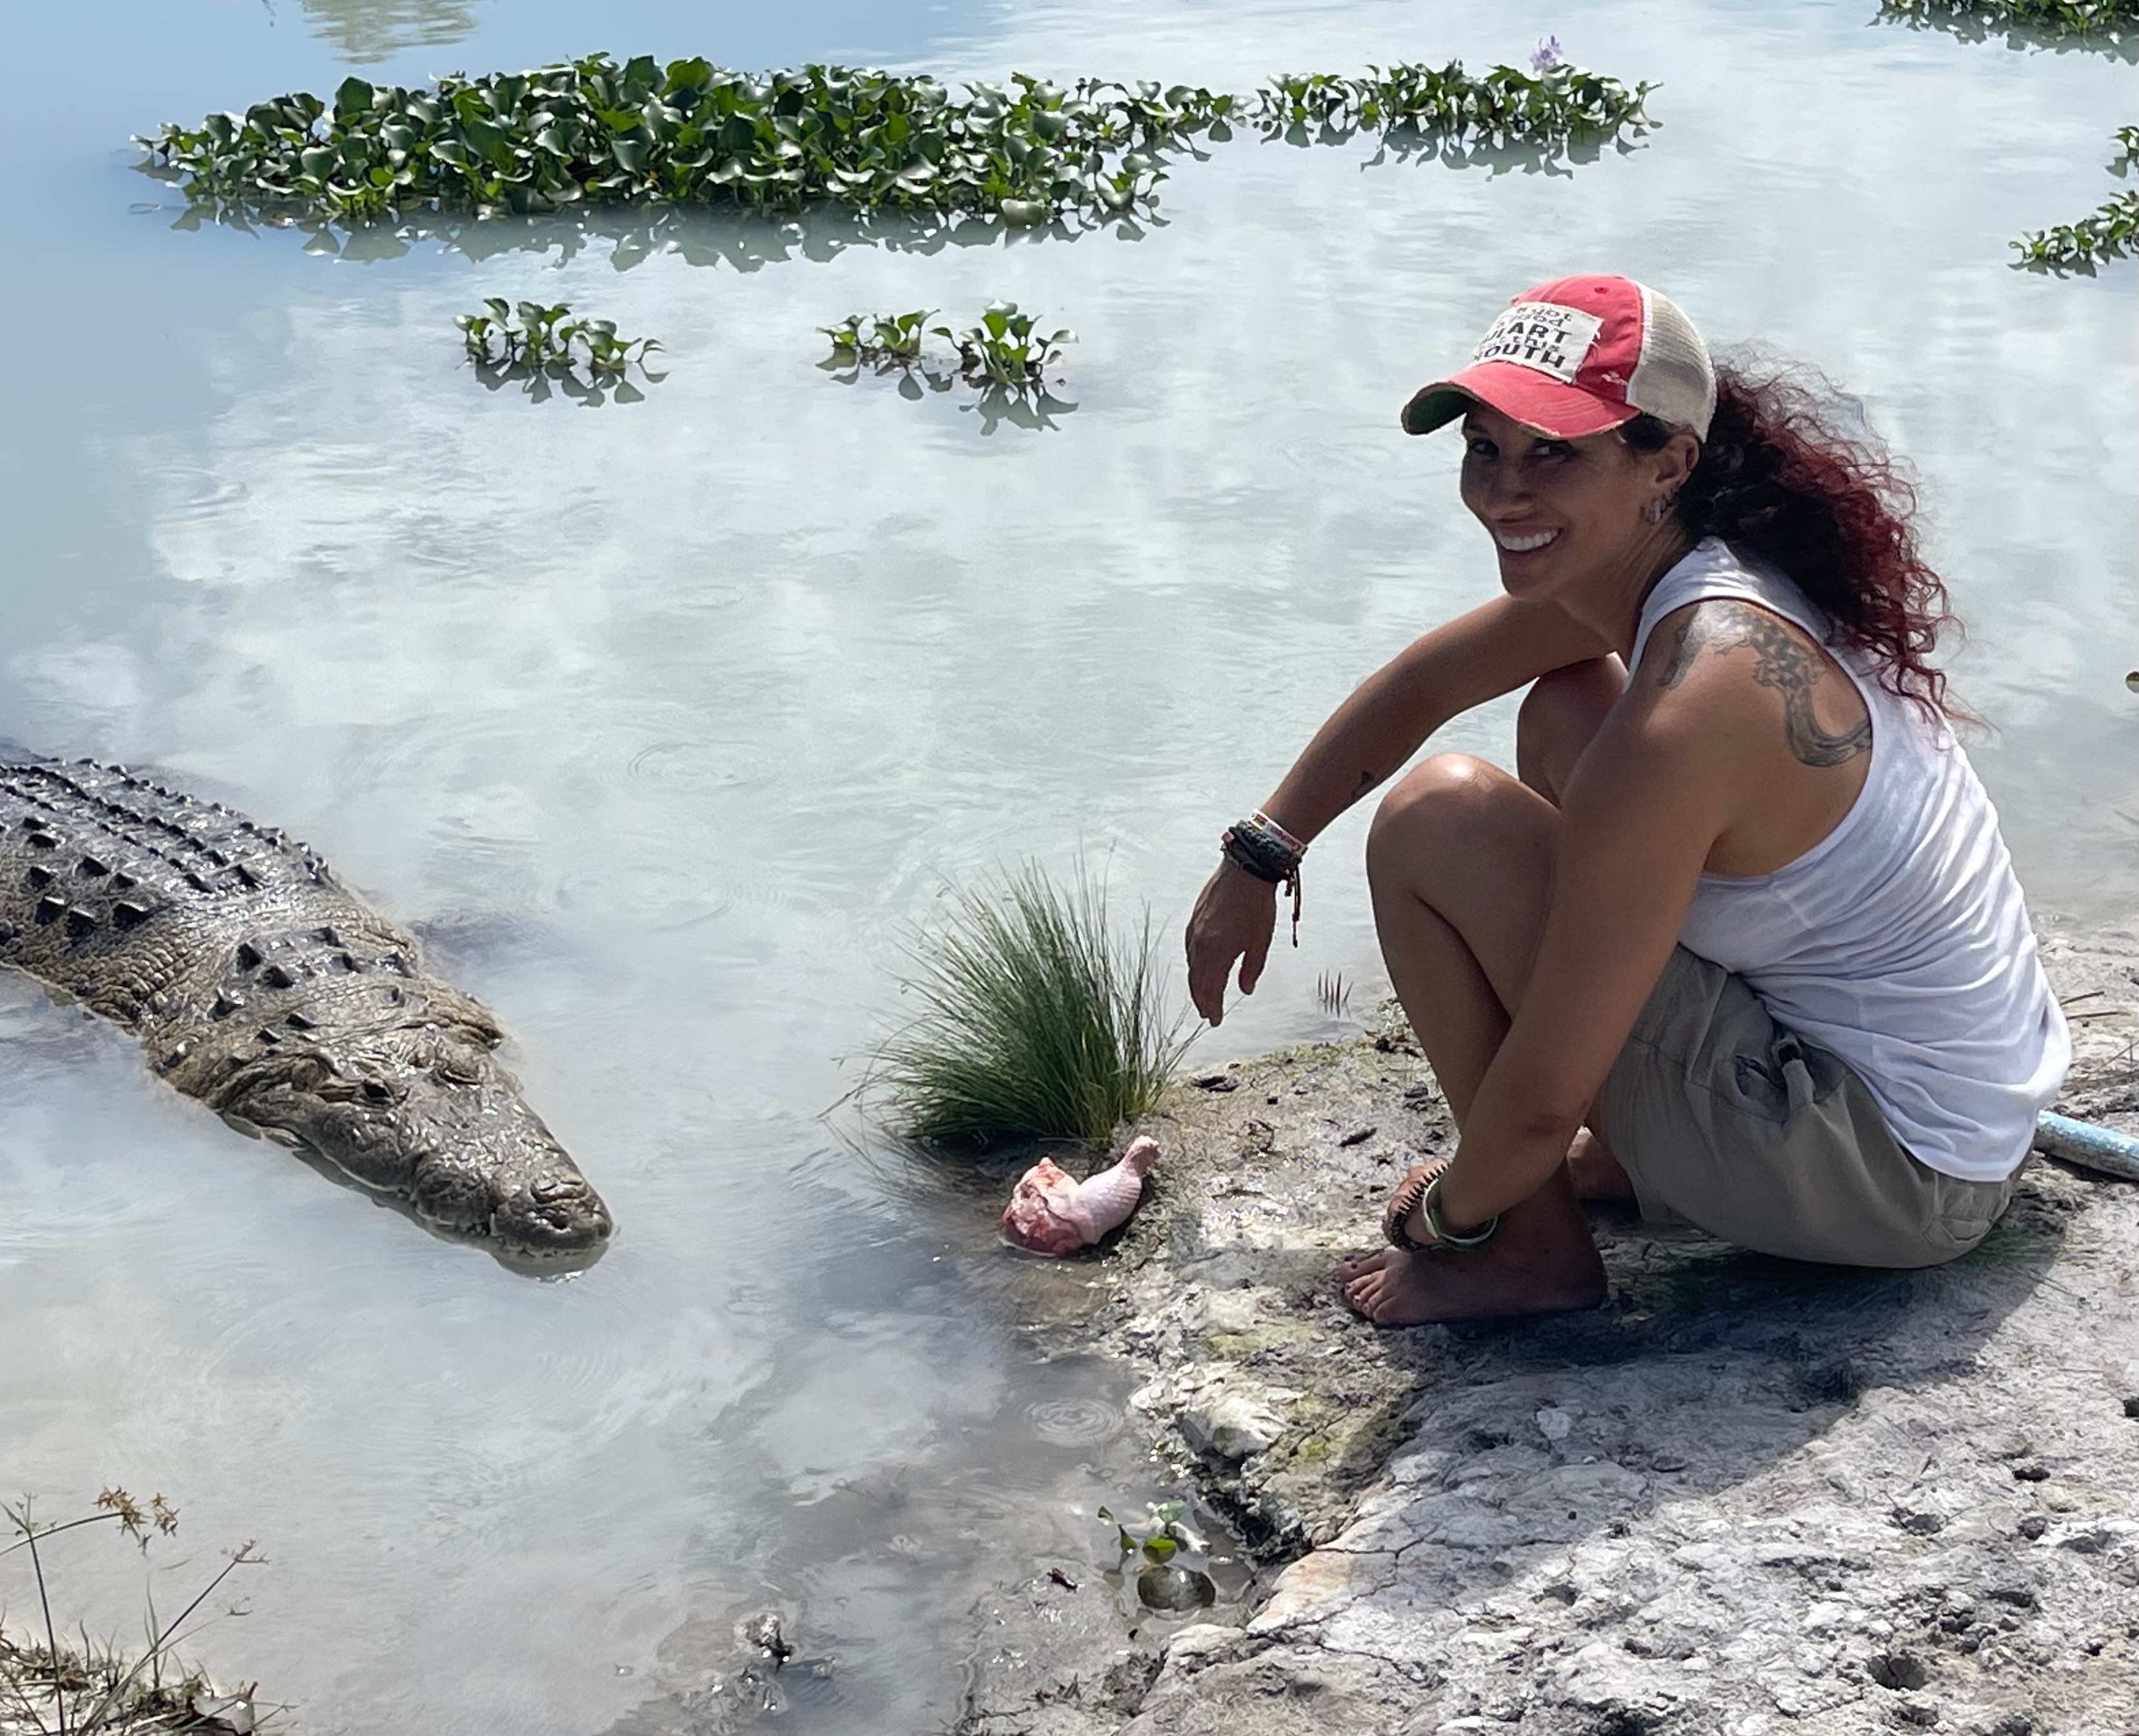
{"x": 1430, "y": 1203}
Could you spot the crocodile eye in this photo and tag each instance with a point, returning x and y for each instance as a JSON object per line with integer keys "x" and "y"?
{"x": 377, "y": 1092}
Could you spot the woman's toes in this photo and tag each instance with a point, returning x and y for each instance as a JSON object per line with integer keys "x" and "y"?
{"x": 1349, "y": 1270}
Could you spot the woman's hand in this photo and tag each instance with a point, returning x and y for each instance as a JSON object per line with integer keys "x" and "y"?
{"x": 1235, "y": 917}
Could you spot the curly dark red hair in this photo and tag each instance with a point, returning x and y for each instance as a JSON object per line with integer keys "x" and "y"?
{"x": 1791, "y": 476}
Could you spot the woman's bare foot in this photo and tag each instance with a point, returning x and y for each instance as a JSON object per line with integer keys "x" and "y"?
{"x": 1595, "y": 1172}
{"x": 1541, "y": 1260}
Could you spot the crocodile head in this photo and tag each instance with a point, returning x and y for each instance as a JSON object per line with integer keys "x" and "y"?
{"x": 440, "y": 1125}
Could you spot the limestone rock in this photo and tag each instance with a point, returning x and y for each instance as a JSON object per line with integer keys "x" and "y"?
{"x": 1231, "y": 1425}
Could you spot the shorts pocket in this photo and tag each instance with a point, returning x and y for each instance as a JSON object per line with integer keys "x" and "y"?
{"x": 1791, "y": 1078}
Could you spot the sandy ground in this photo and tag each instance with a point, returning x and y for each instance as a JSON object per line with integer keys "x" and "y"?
{"x": 1744, "y": 1496}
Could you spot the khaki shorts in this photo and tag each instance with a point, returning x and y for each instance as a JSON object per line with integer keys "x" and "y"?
{"x": 1722, "y": 1116}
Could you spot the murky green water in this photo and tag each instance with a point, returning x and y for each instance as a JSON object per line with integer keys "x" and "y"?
{"x": 662, "y": 718}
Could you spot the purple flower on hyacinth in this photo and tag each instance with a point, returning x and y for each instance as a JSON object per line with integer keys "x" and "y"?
{"x": 1546, "y": 56}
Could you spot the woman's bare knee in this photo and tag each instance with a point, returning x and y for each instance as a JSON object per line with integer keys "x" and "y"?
{"x": 1448, "y": 808}
{"x": 1433, "y": 794}
{"x": 1460, "y": 841}
{"x": 1559, "y": 715}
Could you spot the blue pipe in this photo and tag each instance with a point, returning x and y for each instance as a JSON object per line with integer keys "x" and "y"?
{"x": 2103, "y": 1150}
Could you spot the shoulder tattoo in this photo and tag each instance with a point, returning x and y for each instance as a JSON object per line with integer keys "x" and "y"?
{"x": 1781, "y": 660}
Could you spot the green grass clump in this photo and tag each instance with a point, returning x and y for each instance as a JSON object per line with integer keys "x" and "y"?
{"x": 2109, "y": 231}
{"x": 1025, "y": 154}
{"x": 1036, "y": 1021}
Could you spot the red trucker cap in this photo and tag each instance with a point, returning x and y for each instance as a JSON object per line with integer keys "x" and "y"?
{"x": 1577, "y": 356}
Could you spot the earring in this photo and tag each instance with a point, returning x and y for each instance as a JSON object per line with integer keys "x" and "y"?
{"x": 1654, "y": 514}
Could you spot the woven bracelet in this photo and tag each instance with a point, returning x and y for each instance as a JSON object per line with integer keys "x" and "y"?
{"x": 1253, "y": 853}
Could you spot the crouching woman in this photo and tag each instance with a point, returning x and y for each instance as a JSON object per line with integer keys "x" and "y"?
{"x": 1739, "y": 939}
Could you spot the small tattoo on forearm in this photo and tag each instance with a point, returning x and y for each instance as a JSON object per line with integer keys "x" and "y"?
{"x": 1367, "y": 779}
{"x": 1780, "y": 662}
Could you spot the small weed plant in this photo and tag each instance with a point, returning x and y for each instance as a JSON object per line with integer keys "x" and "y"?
{"x": 90, "y": 1689}
{"x": 2109, "y": 231}
{"x": 1025, "y": 153}
{"x": 542, "y": 346}
{"x": 1169, "y": 1557}
{"x": 1036, "y": 1021}
{"x": 1164, "y": 1537}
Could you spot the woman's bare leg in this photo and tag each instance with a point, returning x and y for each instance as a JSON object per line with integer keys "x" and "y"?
{"x": 1558, "y": 715}
{"x": 1461, "y": 863}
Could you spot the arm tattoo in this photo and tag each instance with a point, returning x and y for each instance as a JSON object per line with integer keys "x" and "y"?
{"x": 1780, "y": 662}
{"x": 1367, "y": 779}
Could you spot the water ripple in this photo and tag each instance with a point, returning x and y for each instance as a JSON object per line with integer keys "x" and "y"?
{"x": 1073, "y": 1421}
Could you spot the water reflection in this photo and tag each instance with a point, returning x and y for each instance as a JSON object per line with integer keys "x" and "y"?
{"x": 749, "y": 240}
{"x": 367, "y": 31}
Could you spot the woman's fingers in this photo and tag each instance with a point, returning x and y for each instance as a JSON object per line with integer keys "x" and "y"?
{"x": 1254, "y": 958}
{"x": 1234, "y": 919}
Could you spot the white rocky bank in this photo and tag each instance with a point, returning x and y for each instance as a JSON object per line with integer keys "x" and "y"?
{"x": 1744, "y": 1496}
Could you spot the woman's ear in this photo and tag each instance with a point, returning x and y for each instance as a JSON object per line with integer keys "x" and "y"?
{"x": 1674, "y": 460}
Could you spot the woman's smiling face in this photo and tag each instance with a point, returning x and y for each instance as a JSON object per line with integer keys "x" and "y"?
{"x": 1565, "y": 512}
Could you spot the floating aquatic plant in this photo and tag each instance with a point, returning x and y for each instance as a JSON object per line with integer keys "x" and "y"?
{"x": 1004, "y": 356}
{"x": 2108, "y": 22}
{"x": 1554, "y": 102}
{"x": 1037, "y": 1019}
{"x": 544, "y": 345}
{"x": 691, "y": 133}
{"x": 879, "y": 339}
{"x": 1165, "y": 1581}
{"x": 2109, "y": 231}
{"x": 1006, "y": 347}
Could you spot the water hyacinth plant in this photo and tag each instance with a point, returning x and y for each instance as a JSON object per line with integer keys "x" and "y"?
{"x": 1553, "y": 103}
{"x": 2109, "y": 231}
{"x": 542, "y": 345}
{"x": 1003, "y": 356}
{"x": 691, "y": 133}
{"x": 881, "y": 339}
{"x": 1024, "y": 154}
{"x": 2105, "y": 23}
{"x": 1006, "y": 347}
{"x": 1036, "y": 1021}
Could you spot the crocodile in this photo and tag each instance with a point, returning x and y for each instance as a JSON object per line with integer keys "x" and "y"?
{"x": 258, "y": 984}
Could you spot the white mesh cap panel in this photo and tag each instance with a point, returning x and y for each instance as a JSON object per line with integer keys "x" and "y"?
{"x": 1674, "y": 381}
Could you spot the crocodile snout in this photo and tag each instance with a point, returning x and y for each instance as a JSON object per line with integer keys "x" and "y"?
{"x": 553, "y": 1217}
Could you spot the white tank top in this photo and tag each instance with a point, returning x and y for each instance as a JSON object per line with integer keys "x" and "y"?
{"x": 1900, "y": 941}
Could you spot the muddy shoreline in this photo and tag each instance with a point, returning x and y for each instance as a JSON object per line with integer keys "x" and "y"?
{"x": 1743, "y": 1496}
